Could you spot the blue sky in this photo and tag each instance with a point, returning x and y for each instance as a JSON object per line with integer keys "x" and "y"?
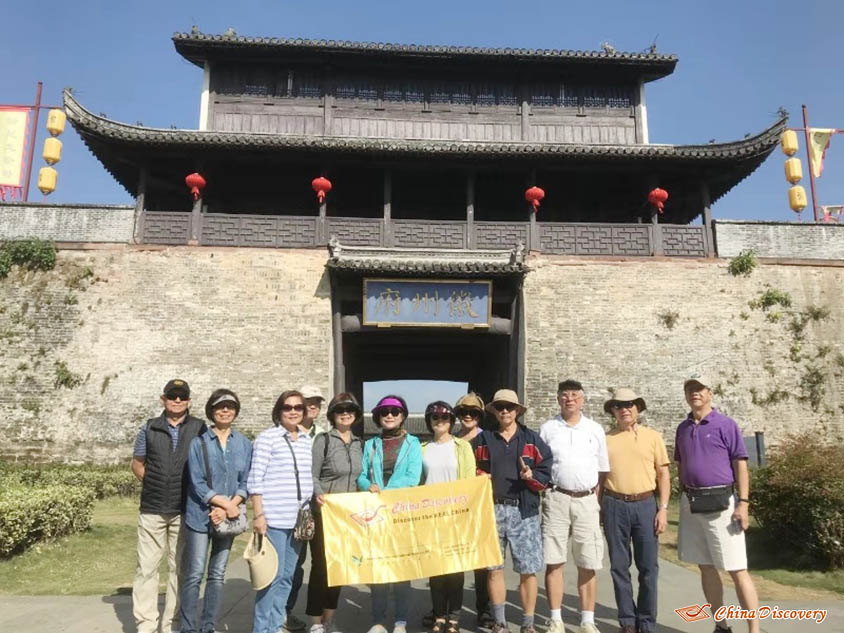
{"x": 739, "y": 62}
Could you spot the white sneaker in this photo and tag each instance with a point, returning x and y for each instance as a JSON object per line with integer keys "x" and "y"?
{"x": 377, "y": 628}
{"x": 588, "y": 627}
{"x": 317, "y": 628}
{"x": 556, "y": 626}
{"x": 400, "y": 628}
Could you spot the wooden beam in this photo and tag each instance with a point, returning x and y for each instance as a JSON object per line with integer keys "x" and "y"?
{"x": 388, "y": 208}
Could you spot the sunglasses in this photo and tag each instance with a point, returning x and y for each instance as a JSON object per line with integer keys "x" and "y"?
{"x": 441, "y": 417}
{"x": 292, "y": 407}
{"x": 393, "y": 411}
{"x": 345, "y": 410}
{"x": 225, "y": 405}
{"x": 623, "y": 405}
{"x": 468, "y": 413}
{"x": 177, "y": 396}
{"x": 503, "y": 406}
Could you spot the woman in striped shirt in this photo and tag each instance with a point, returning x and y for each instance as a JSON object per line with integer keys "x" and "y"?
{"x": 279, "y": 484}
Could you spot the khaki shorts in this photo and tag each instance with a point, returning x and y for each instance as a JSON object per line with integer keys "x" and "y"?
{"x": 562, "y": 515}
{"x": 711, "y": 538}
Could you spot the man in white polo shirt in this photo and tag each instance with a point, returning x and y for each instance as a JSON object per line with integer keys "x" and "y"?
{"x": 571, "y": 504}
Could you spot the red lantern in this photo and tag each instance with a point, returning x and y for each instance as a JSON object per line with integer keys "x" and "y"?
{"x": 534, "y": 195}
{"x": 322, "y": 186}
{"x": 657, "y": 198}
{"x": 196, "y": 183}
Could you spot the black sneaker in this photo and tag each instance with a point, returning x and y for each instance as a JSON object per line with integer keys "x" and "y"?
{"x": 498, "y": 627}
{"x": 485, "y": 620}
{"x": 428, "y": 620}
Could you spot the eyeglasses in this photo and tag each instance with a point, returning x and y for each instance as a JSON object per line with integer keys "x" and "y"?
{"x": 393, "y": 411}
{"x": 174, "y": 396}
{"x": 468, "y": 413}
{"x": 287, "y": 408}
{"x": 623, "y": 405}
{"x": 345, "y": 411}
{"x": 441, "y": 417}
{"x": 503, "y": 406}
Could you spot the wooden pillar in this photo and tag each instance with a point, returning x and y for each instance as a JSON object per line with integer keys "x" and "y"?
{"x": 471, "y": 241}
{"x": 322, "y": 228}
{"x": 525, "y": 113}
{"x": 327, "y": 104}
{"x": 652, "y": 181}
{"x": 195, "y": 223}
{"x": 706, "y": 217}
{"x": 140, "y": 206}
{"x": 337, "y": 339}
{"x": 387, "y": 239}
{"x": 533, "y": 231}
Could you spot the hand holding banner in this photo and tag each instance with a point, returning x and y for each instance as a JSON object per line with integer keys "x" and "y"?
{"x": 410, "y": 533}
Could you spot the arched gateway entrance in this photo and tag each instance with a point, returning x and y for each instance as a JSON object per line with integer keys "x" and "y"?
{"x": 427, "y": 314}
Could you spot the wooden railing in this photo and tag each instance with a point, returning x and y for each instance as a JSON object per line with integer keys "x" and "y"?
{"x": 559, "y": 238}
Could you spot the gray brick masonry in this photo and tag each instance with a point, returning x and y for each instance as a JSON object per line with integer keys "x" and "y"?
{"x": 786, "y": 240}
{"x": 67, "y": 222}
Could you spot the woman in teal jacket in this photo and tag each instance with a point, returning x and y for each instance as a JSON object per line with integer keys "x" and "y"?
{"x": 391, "y": 460}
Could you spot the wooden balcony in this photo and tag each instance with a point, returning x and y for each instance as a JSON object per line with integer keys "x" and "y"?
{"x": 556, "y": 238}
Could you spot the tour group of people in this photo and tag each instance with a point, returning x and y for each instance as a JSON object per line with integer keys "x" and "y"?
{"x": 570, "y": 486}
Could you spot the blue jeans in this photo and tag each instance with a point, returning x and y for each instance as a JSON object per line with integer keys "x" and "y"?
{"x": 401, "y": 594}
{"x": 626, "y": 522}
{"x": 270, "y": 601}
{"x": 193, "y": 567}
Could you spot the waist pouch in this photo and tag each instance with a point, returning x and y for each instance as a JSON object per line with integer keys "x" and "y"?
{"x": 702, "y": 500}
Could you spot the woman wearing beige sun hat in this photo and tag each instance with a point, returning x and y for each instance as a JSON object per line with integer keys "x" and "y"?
{"x": 638, "y": 467}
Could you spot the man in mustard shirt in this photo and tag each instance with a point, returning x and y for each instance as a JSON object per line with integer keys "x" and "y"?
{"x": 638, "y": 468}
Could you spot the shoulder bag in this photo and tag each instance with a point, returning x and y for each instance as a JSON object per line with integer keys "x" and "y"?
{"x": 226, "y": 527}
{"x": 304, "y": 528}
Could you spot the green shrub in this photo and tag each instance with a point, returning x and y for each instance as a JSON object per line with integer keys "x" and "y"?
{"x": 30, "y": 514}
{"x": 32, "y": 254}
{"x": 743, "y": 263}
{"x": 798, "y": 499}
{"x": 99, "y": 481}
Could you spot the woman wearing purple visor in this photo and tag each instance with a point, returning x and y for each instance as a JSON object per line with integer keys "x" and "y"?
{"x": 391, "y": 460}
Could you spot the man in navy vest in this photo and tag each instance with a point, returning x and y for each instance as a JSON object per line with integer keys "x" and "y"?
{"x": 160, "y": 462}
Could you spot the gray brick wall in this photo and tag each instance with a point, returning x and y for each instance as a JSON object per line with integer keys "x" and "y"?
{"x": 67, "y": 223}
{"x": 780, "y": 239}
{"x": 259, "y": 321}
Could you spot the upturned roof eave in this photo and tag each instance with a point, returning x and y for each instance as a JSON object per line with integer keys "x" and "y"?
{"x": 198, "y": 47}
{"x": 87, "y": 123}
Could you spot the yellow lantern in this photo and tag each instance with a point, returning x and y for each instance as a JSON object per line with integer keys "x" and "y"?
{"x": 793, "y": 170}
{"x": 797, "y": 198}
{"x": 53, "y": 151}
{"x": 55, "y": 121}
{"x": 788, "y": 140}
{"x": 47, "y": 177}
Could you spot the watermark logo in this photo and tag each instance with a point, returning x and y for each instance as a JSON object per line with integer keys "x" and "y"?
{"x": 694, "y": 612}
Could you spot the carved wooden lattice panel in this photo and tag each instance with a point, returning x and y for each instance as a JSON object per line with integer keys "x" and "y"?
{"x": 164, "y": 227}
{"x": 593, "y": 240}
{"x": 631, "y": 240}
{"x": 220, "y": 230}
{"x": 684, "y": 241}
{"x": 429, "y": 234}
{"x": 296, "y": 232}
{"x": 357, "y": 232}
{"x": 495, "y": 235}
{"x": 557, "y": 239}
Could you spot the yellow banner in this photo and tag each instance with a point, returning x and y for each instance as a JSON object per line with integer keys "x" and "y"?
{"x": 12, "y": 144}
{"x": 410, "y": 533}
{"x": 818, "y": 143}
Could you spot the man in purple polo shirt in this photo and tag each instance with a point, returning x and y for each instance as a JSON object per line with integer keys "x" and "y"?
{"x": 712, "y": 464}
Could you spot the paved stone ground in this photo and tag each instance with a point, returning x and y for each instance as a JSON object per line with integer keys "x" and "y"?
{"x": 678, "y": 587}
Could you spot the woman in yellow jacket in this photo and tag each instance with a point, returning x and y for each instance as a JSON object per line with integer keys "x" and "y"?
{"x": 446, "y": 458}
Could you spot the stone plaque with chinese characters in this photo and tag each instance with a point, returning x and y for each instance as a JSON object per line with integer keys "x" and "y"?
{"x": 423, "y": 302}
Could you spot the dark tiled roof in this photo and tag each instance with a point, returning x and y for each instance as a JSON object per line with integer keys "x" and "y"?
{"x": 196, "y": 46}
{"x": 424, "y": 262}
{"x": 88, "y": 123}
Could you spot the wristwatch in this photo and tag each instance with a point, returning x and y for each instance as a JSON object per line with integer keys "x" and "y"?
{"x": 747, "y": 501}
{"x": 664, "y": 506}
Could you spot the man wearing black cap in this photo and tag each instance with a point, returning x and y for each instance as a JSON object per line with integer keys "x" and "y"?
{"x": 160, "y": 462}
